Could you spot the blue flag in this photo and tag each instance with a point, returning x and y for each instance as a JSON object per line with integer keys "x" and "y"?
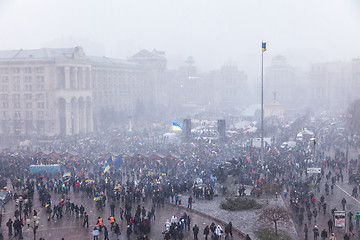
{"x": 118, "y": 163}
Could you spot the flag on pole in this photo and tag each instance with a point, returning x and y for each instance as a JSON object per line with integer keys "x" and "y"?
{"x": 263, "y": 46}
{"x": 176, "y": 127}
{"x": 118, "y": 163}
{"x": 88, "y": 180}
{"x": 68, "y": 174}
{"x": 107, "y": 165}
{"x": 98, "y": 197}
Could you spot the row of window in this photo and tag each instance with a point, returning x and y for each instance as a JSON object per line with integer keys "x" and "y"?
{"x": 27, "y": 96}
{"x": 27, "y": 87}
{"x": 6, "y": 70}
{"x": 28, "y": 114}
{"x": 17, "y": 105}
{"x": 27, "y": 79}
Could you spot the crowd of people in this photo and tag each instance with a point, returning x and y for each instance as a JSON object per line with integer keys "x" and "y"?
{"x": 123, "y": 171}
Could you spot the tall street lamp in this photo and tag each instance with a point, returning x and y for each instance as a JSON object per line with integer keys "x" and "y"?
{"x": 263, "y": 49}
{"x": 19, "y": 201}
{"x": 34, "y": 225}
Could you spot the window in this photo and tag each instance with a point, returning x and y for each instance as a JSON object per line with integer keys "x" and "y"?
{"x": 15, "y": 70}
{"x": 4, "y": 70}
{"x": 16, "y": 80}
{"x": 5, "y": 104}
{"x": 5, "y": 79}
{"x": 16, "y": 87}
{"x": 27, "y": 79}
{"x": 40, "y": 114}
{"x": 16, "y": 96}
{"x": 5, "y": 88}
{"x": 28, "y": 96}
{"x": 40, "y": 87}
{"x": 4, "y": 96}
{"x": 40, "y": 79}
{"x": 4, "y": 114}
{"x": 17, "y": 105}
{"x": 39, "y": 96}
{"x": 27, "y": 70}
{"x": 28, "y": 87}
{"x": 17, "y": 114}
{"x": 39, "y": 69}
{"x": 29, "y": 114}
{"x": 41, "y": 105}
{"x": 28, "y": 105}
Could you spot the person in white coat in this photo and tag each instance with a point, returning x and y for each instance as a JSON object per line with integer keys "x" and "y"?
{"x": 218, "y": 232}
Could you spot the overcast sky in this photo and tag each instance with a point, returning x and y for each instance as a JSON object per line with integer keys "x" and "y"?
{"x": 213, "y": 32}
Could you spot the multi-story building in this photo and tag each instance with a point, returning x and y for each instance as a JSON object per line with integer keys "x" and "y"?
{"x": 59, "y": 91}
{"x": 226, "y": 89}
{"x": 281, "y": 79}
{"x": 332, "y": 85}
{"x": 45, "y": 92}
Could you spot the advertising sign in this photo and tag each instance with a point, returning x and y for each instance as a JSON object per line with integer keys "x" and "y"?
{"x": 313, "y": 170}
{"x": 339, "y": 218}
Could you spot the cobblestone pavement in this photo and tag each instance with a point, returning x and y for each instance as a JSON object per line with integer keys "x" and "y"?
{"x": 70, "y": 227}
{"x": 245, "y": 221}
{"x": 342, "y": 190}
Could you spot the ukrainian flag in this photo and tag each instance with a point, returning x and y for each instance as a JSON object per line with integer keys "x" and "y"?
{"x": 263, "y": 46}
{"x": 68, "y": 174}
{"x": 176, "y": 127}
{"x": 107, "y": 165}
{"x": 98, "y": 197}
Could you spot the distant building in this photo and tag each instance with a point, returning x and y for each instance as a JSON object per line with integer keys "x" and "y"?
{"x": 333, "y": 85}
{"x": 45, "y": 92}
{"x": 227, "y": 88}
{"x": 274, "y": 108}
{"x": 59, "y": 91}
{"x": 281, "y": 78}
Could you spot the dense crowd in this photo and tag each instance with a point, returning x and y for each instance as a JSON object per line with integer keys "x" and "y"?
{"x": 152, "y": 169}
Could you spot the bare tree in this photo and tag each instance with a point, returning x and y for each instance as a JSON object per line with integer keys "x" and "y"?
{"x": 274, "y": 214}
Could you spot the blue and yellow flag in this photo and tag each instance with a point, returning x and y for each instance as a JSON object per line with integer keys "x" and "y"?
{"x": 68, "y": 174}
{"x": 176, "y": 127}
{"x": 118, "y": 163}
{"x": 107, "y": 165}
{"x": 263, "y": 45}
{"x": 98, "y": 197}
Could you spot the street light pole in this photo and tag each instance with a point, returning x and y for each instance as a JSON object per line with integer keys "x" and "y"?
{"x": 262, "y": 102}
{"x": 20, "y": 200}
{"x": 35, "y": 224}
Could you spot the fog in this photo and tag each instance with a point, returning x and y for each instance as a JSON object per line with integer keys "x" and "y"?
{"x": 202, "y": 56}
{"x": 213, "y": 32}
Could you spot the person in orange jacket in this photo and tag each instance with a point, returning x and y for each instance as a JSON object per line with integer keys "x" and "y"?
{"x": 100, "y": 223}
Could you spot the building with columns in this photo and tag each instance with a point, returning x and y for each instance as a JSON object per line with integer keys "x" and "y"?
{"x": 50, "y": 92}
{"x": 45, "y": 92}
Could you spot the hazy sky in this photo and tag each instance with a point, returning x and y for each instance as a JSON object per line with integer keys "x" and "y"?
{"x": 213, "y": 32}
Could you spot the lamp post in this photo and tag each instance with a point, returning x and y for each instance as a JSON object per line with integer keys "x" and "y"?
{"x": 19, "y": 201}
{"x": 263, "y": 49}
{"x": 34, "y": 225}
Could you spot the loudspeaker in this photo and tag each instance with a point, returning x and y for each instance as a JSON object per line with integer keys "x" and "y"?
{"x": 221, "y": 128}
{"x": 187, "y": 128}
